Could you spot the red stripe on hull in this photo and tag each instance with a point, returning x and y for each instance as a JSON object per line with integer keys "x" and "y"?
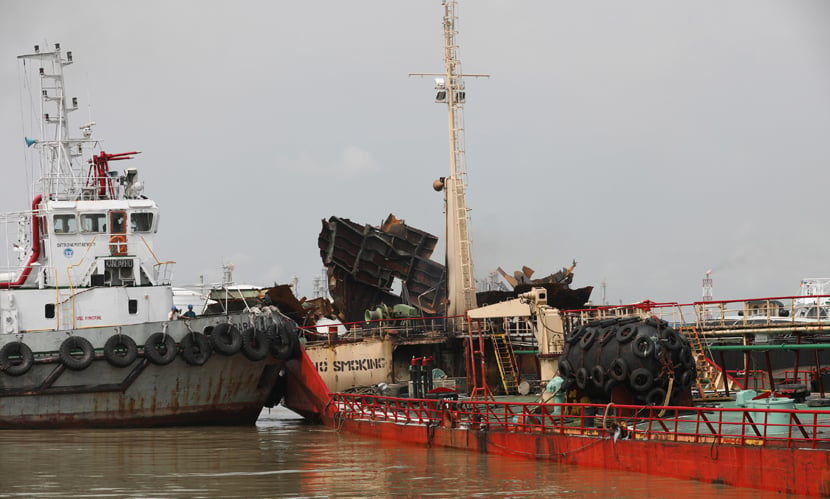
{"x": 783, "y": 470}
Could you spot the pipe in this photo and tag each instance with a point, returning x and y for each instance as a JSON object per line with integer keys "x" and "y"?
{"x": 35, "y": 249}
{"x": 783, "y": 346}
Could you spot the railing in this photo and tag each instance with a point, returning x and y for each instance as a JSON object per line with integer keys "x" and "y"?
{"x": 408, "y": 327}
{"x": 761, "y": 315}
{"x": 736, "y": 426}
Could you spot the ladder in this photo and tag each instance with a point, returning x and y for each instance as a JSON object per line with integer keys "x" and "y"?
{"x": 710, "y": 377}
{"x": 66, "y": 317}
{"x": 503, "y": 350}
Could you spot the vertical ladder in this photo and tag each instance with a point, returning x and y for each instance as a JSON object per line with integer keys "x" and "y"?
{"x": 503, "y": 350}
{"x": 66, "y": 317}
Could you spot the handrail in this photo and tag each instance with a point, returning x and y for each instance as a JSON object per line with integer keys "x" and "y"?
{"x": 740, "y": 426}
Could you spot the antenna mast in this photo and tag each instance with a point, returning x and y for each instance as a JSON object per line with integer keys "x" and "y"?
{"x": 449, "y": 86}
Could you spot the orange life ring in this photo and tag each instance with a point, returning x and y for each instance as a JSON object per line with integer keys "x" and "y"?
{"x": 118, "y": 245}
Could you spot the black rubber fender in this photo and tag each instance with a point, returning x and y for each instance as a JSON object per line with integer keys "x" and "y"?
{"x": 582, "y": 378}
{"x": 120, "y": 350}
{"x": 588, "y": 339}
{"x": 196, "y": 348}
{"x": 641, "y": 379}
{"x": 656, "y": 396}
{"x": 607, "y": 335}
{"x": 598, "y": 376}
{"x": 16, "y": 358}
{"x": 643, "y": 347}
{"x": 686, "y": 359}
{"x": 226, "y": 338}
{"x": 573, "y": 335}
{"x": 671, "y": 339}
{"x": 76, "y": 353}
{"x": 160, "y": 349}
{"x": 686, "y": 379}
{"x": 285, "y": 344}
{"x": 618, "y": 370}
{"x": 565, "y": 369}
{"x": 255, "y": 344}
{"x": 626, "y": 333}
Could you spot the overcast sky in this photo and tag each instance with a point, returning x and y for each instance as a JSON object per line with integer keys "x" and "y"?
{"x": 648, "y": 140}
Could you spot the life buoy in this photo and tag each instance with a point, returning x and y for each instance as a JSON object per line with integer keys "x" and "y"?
{"x": 643, "y": 347}
{"x": 16, "y": 358}
{"x": 76, "y": 353}
{"x": 120, "y": 350}
{"x": 255, "y": 344}
{"x": 160, "y": 349}
{"x": 641, "y": 379}
{"x": 618, "y": 370}
{"x": 226, "y": 338}
{"x": 118, "y": 245}
{"x": 195, "y": 349}
{"x": 598, "y": 376}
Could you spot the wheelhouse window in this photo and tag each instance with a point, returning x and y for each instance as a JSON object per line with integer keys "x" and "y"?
{"x": 65, "y": 224}
{"x": 141, "y": 222}
{"x": 93, "y": 222}
{"x": 118, "y": 222}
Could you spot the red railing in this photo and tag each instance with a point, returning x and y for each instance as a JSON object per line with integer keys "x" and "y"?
{"x": 736, "y": 426}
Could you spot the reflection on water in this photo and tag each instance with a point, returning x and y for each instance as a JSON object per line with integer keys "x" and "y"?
{"x": 282, "y": 457}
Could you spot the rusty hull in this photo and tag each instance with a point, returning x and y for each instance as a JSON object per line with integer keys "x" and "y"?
{"x": 363, "y": 261}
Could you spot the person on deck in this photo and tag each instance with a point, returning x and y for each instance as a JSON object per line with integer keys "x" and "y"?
{"x": 173, "y": 314}
{"x": 190, "y": 314}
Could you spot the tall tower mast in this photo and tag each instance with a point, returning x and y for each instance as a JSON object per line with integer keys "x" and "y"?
{"x": 707, "y": 286}
{"x": 449, "y": 86}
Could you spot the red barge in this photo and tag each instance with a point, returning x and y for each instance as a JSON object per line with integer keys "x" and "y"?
{"x": 664, "y": 389}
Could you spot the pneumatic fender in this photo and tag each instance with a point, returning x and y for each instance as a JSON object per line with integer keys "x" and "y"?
{"x": 120, "y": 350}
{"x": 16, "y": 358}
{"x": 76, "y": 353}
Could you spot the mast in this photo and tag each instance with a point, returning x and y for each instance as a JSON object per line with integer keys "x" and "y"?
{"x": 461, "y": 286}
{"x": 60, "y": 176}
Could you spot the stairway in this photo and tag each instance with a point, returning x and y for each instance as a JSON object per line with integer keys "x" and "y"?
{"x": 709, "y": 376}
{"x": 503, "y": 350}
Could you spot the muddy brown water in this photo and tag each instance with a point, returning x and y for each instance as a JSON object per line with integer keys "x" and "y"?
{"x": 283, "y": 457}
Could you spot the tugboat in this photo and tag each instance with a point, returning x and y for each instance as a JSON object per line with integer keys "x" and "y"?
{"x": 89, "y": 333}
